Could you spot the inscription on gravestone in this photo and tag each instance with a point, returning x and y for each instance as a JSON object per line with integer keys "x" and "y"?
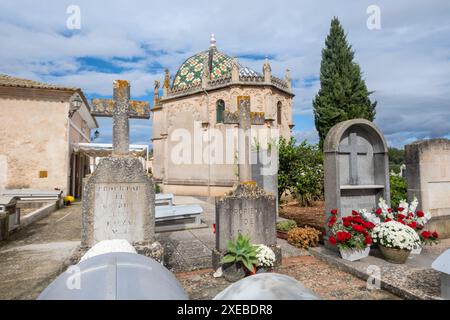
{"x": 244, "y": 222}
{"x": 115, "y": 212}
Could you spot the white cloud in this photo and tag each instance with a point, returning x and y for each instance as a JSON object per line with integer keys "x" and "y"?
{"x": 406, "y": 63}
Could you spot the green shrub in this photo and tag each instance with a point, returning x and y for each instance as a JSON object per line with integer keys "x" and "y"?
{"x": 157, "y": 188}
{"x": 241, "y": 251}
{"x": 286, "y": 225}
{"x": 399, "y": 190}
{"x": 300, "y": 171}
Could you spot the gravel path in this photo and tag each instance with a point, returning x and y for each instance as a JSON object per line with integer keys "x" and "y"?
{"x": 322, "y": 278}
{"x": 32, "y": 257}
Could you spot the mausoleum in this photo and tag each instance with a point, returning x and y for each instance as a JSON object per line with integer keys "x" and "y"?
{"x": 191, "y": 108}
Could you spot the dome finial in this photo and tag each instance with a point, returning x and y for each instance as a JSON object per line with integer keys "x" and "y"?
{"x": 212, "y": 40}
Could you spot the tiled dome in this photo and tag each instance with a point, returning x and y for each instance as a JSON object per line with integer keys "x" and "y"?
{"x": 190, "y": 72}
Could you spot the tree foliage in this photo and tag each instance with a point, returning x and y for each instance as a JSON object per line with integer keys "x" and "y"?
{"x": 399, "y": 190}
{"x": 300, "y": 171}
{"x": 396, "y": 158}
{"x": 343, "y": 94}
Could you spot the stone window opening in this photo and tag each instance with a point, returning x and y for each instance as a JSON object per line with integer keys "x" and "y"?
{"x": 220, "y": 108}
{"x": 279, "y": 112}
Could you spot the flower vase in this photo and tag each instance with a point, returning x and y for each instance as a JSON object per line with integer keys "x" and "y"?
{"x": 233, "y": 272}
{"x": 282, "y": 235}
{"x": 354, "y": 254}
{"x": 416, "y": 250}
{"x": 398, "y": 256}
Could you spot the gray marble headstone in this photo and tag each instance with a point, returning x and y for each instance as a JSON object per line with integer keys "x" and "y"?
{"x": 248, "y": 210}
{"x": 356, "y": 167}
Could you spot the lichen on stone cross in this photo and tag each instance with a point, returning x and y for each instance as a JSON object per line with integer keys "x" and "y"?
{"x": 121, "y": 109}
{"x": 244, "y": 118}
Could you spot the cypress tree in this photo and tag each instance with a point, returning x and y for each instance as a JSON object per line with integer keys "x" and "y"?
{"x": 343, "y": 94}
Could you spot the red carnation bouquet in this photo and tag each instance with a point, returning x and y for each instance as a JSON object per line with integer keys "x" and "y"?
{"x": 351, "y": 232}
{"x": 428, "y": 237}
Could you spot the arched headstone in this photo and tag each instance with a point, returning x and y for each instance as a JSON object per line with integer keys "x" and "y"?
{"x": 356, "y": 167}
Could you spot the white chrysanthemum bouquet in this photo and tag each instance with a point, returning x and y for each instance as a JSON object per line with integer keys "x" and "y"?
{"x": 395, "y": 235}
{"x": 405, "y": 214}
{"x": 265, "y": 255}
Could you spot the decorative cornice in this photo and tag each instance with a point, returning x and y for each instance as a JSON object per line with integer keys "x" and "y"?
{"x": 227, "y": 82}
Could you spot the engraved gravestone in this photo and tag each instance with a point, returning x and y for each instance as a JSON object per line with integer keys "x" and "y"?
{"x": 248, "y": 209}
{"x": 356, "y": 167}
{"x": 119, "y": 198}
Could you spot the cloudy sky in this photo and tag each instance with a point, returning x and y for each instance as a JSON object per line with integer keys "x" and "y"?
{"x": 406, "y": 62}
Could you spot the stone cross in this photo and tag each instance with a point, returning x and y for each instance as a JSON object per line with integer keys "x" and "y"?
{"x": 353, "y": 148}
{"x": 244, "y": 118}
{"x": 121, "y": 109}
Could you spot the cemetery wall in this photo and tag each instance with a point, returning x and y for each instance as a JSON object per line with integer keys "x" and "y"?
{"x": 428, "y": 177}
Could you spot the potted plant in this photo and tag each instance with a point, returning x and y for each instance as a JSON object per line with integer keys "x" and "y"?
{"x": 405, "y": 214}
{"x": 266, "y": 258}
{"x": 396, "y": 240}
{"x": 351, "y": 235}
{"x": 283, "y": 227}
{"x": 241, "y": 258}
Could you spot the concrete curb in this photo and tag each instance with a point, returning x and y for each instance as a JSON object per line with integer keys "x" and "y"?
{"x": 38, "y": 214}
{"x": 358, "y": 269}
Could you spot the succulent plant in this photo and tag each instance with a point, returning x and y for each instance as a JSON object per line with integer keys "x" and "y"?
{"x": 241, "y": 251}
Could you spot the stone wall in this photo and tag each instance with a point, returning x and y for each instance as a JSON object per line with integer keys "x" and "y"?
{"x": 34, "y": 137}
{"x": 428, "y": 174}
{"x": 428, "y": 177}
